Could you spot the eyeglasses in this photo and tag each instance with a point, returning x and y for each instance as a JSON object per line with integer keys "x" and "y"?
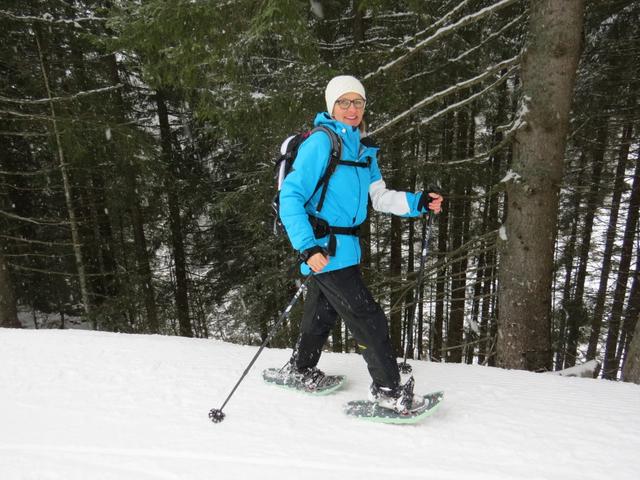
{"x": 345, "y": 103}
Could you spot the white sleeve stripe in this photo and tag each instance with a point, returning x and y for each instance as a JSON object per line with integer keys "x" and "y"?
{"x": 388, "y": 201}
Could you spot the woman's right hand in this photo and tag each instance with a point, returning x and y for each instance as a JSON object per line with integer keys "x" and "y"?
{"x": 317, "y": 262}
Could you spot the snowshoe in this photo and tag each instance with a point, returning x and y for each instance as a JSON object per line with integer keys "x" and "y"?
{"x": 309, "y": 380}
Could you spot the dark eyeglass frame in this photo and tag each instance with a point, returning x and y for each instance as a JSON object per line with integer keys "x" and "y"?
{"x": 345, "y": 103}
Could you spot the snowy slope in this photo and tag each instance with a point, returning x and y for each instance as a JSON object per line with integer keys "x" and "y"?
{"x": 90, "y": 405}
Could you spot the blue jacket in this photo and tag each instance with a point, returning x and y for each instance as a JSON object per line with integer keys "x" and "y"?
{"x": 347, "y": 196}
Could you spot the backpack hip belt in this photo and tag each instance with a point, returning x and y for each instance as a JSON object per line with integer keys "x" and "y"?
{"x": 321, "y": 228}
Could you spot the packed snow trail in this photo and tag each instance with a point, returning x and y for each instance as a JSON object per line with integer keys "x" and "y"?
{"x": 92, "y": 405}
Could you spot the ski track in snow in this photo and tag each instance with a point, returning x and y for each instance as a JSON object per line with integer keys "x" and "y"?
{"x": 92, "y": 405}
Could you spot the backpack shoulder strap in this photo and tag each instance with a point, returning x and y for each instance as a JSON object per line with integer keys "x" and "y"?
{"x": 334, "y": 158}
{"x": 336, "y": 143}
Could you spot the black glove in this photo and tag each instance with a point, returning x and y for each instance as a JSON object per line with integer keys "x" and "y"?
{"x": 310, "y": 252}
{"x": 425, "y": 199}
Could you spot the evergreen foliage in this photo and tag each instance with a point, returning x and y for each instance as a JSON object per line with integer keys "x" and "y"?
{"x": 175, "y": 223}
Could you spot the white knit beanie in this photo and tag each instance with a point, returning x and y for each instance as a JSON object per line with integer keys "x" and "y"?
{"x": 340, "y": 85}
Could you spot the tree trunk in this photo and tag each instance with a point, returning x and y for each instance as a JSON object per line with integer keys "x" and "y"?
{"x": 143, "y": 267}
{"x": 420, "y": 299}
{"x": 73, "y": 223}
{"x": 395, "y": 260}
{"x": 8, "y": 307}
{"x": 526, "y": 268}
{"x": 419, "y": 303}
{"x": 358, "y": 23}
{"x": 577, "y": 315}
{"x": 175, "y": 220}
{"x": 395, "y": 273}
{"x": 491, "y": 223}
{"x": 437, "y": 334}
{"x": 631, "y": 314}
{"x": 631, "y": 354}
{"x": 598, "y": 151}
{"x": 458, "y": 214}
{"x": 99, "y": 252}
{"x": 611, "y": 364}
{"x": 568, "y": 330}
{"x": 469, "y": 151}
{"x": 144, "y": 276}
{"x": 631, "y": 370}
{"x": 411, "y": 303}
{"x": 411, "y": 299}
{"x": 479, "y": 314}
{"x": 610, "y": 242}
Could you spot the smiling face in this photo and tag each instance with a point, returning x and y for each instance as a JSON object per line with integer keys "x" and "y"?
{"x": 351, "y": 116}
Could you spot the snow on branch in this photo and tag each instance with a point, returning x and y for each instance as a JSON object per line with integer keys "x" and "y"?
{"x": 448, "y": 91}
{"x": 31, "y": 173}
{"x": 466, "y": 53}
{"x": 48, "y": 18}
{"x": 480, "y": 157}
{"x": 35, "y": 242}
{"x": 13, "y": 216}
{"x": 59, "y": 99}
{"x": 462, "y": 103}
{"x": 24, "y": 115}
{"x": 436, "y": 24}
{"x": 51, "y": 272}
{"x": 7, "y": 133}
{"x": 513, "y": 22}
{"x": 440, "y": 33}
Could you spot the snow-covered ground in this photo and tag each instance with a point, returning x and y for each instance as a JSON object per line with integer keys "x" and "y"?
{"x": 89, "y": 405}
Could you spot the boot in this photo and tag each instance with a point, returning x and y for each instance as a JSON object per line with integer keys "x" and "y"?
{"x": 309, "y": 378}
{"x": 399, "y": 399}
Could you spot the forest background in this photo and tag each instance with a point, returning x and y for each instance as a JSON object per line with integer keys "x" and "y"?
{"x": 137, "y": 142}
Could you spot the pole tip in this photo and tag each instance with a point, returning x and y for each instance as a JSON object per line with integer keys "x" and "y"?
{"x": 216, "y": 415}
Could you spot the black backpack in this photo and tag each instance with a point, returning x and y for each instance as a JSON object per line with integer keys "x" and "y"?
{"x": 284, "y": 163}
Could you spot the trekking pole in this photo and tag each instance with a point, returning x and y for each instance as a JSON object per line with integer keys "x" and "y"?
{"x": 426, "y": 236}
{"x": 215, "y": 414}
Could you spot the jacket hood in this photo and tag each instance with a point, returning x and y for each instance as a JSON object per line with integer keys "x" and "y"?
{"x": 344, "y": 130}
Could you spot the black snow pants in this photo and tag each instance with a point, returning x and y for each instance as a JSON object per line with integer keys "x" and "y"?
{"x": 343, "y": 292}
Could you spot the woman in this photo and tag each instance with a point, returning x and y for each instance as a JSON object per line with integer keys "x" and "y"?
{"x": 326, "y": 237}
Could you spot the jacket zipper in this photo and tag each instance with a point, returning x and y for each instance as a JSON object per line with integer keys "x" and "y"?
{"x": 359, "y": 194}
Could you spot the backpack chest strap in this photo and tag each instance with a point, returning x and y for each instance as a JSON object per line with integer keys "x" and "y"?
{"x": 351, "y": 163}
